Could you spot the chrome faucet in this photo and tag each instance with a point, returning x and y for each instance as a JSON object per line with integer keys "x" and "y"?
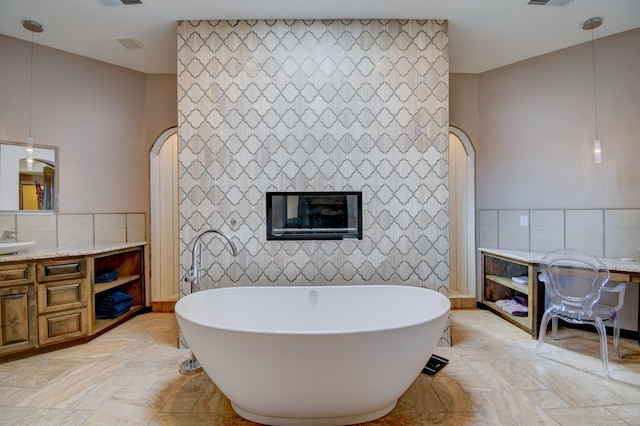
{"x": 194, "y": 274}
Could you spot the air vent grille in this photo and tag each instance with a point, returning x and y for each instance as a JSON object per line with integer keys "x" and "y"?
{"x": 559, "y": 3}
{"x": 129, "y": 43}
{"x": 112, "y": 3}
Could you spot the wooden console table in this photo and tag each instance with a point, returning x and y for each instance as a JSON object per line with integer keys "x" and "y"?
{"x": 499, "y": 266}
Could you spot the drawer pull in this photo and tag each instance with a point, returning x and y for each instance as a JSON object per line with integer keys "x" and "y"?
{"x": 14, "y": 296}
{"x": 70, "y": 268}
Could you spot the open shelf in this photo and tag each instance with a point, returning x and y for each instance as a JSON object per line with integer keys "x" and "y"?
{"x": 128, "y": 263}
{"x": 103, "y": 324}
{"x": 497, "y": 284}
{"x": 508, "y": 282}
{"x": 102, "y": 287}
{"x": 521, "y": 321}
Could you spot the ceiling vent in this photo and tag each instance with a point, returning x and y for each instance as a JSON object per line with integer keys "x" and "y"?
{"x": 129, "y": 43}
{"x": 111, "y": 3}
{"x": 560, "y": 3}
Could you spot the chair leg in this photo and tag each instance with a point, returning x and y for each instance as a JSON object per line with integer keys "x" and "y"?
{"x": 602, "y": 332}
{"x": 543, "y": 329}
{"x": 616, "y": 335}
{"x": 554, "y": 327}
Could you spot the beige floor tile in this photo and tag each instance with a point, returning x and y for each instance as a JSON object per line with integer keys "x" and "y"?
{"x": 420, "y": 397}
{"x": 453, "y": 419}
{"x": 452, "y": 395}
{"x": 629, "y": 413}
{"x": 121, "y": 413}
{"x": 10, "y": 415}
{"x": 181, "y": 402}
{"x": 586, "y": 416}
{"x": 546, "y": 399}
{"x": 54, "y": 417}
{"x": 72, "y": 386}
{"x": 130, "y": 375}
{"x": 505, "y": 374}
{"x": 185, "y": 419}
{"x": 510, "y": 408}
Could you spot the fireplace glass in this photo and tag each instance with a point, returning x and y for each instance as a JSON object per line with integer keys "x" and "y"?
{"x": 314, "y": 215}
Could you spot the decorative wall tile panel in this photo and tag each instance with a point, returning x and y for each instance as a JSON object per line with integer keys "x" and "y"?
{"x": 315, "y": 106}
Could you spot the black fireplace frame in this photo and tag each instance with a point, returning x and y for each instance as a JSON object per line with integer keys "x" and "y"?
{"x": 320, "y": 215}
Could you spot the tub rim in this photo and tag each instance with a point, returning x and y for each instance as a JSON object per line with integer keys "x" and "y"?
{"x": 432, "y": 318}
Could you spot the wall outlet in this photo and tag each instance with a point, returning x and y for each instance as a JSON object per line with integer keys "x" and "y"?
{"x": 524, "y": 220}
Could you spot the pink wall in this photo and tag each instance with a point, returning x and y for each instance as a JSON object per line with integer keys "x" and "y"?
{"x": 535, "y": 128}
{"x": 103, "y": 118}
{"x": 463, "y": 104}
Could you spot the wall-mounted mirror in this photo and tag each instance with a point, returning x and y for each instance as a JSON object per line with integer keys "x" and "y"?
{"x": 22, "y": 189}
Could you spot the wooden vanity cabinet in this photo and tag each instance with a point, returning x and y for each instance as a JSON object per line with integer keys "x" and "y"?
{"x": 46, "y": 303}
{"x": 18, "y": 322}
{"x": 63, "y": 289}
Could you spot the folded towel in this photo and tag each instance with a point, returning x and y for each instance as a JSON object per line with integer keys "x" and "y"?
{"x": 114, "y": 298}
{"x": 521, "y": 279}
{"x": 108, "y": 312}
{"x": 107, "y": 277}
{"x": 513, "y": 307}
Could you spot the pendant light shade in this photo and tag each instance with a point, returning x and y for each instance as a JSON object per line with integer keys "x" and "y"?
{"x": 34, "y": 27}
{"x": 590, "y": 25}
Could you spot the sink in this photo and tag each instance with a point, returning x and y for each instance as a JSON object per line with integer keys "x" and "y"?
{"x": 8, "y": 248}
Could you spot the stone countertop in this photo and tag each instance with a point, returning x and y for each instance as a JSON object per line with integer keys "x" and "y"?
{"x": 614, "y": 264}
{"x": 39, "y": 254}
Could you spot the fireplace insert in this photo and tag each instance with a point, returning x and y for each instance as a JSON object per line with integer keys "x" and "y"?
{"x": 314, "y": 215}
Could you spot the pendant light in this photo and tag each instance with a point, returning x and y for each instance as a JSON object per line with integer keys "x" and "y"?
{"x": 34, "y": 27}
{"x": 590, "y": 25}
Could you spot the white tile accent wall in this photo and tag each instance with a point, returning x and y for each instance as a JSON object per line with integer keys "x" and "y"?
{"x": 316, "y": 106}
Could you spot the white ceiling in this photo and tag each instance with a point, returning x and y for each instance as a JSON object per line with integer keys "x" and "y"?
{"x": 483, "y": 34}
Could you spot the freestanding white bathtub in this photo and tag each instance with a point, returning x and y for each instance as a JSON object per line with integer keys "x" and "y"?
{"x": 328, "y": 355}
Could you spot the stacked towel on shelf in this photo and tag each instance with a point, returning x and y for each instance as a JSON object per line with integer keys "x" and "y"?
{"x": 113, "y": 305}
{"x": 107, "y": 277}
{"x": 517, "y": 306}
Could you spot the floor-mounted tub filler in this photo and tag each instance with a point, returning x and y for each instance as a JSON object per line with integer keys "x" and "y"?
{"x": 328, "y": 355}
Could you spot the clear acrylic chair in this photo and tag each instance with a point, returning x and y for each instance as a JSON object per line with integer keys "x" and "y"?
{"x": 576, "y": 283}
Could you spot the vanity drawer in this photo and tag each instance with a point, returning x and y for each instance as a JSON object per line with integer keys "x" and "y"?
{"x": 19, "y": 273}
{"x": 58, "y": 270}
{"x": 62, "y": 295}
{"x": 57, "y": 327}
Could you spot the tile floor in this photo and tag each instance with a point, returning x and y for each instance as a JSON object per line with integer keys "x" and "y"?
{"x": 130, "y": 376}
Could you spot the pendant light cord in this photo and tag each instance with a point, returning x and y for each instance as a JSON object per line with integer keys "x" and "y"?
{"x": 30, "y": 82}
{"x": 595, "y": 91}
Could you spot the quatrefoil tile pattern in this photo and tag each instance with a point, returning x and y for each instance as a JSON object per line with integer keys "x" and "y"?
{"x": 315, "y": 106}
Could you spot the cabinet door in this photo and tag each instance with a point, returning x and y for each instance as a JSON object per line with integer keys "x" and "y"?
{"x": 17, "y": 318}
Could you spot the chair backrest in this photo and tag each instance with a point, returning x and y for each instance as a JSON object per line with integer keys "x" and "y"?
{"x": 573, "y": 278}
